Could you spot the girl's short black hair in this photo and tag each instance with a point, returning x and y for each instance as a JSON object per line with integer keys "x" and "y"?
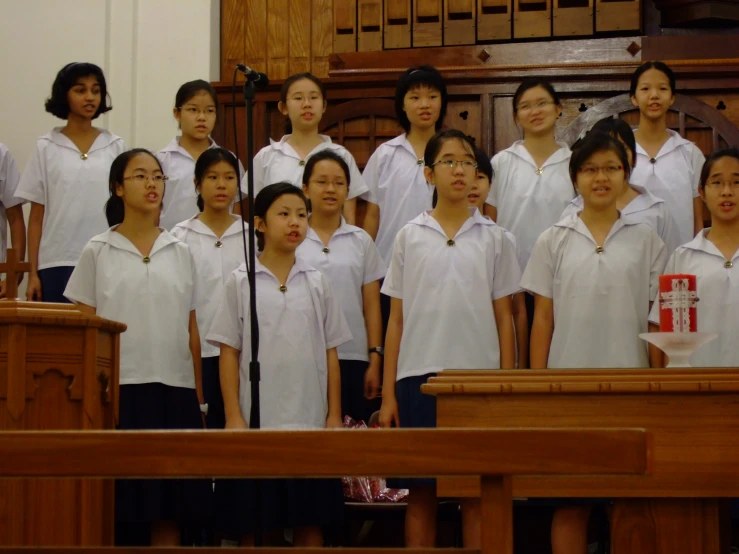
{"x": 595, "y": 142}
{"x": 266, "y": 197}
{"x": 322, "y": 156}
{"x": 188, "y": 90}
{"x": 713, "y": 158}
{"x": 436, "y": 142}
{"x": 484, "y": 165}
{"x": 285, "y": 88}
{"x": 208, "y": 158}
{"x": 643, "y": 68}
{"x": 115, "y": 210}
{"x": 618, "y": 128}
{"x": 58, "y": 105}
{"x": 414, "y": 77}
{"x": 534, "y": 82}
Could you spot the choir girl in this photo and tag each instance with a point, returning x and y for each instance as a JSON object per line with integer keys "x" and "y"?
{"x": 11, "y": 211}
{"x": 444, "y": 265}
{"x": 195, "y": 109}
{"x": 712, "y": 256}
{"x": 303, "y": 102}
{"x": 215, "y": 239}
{"x": 532, "y": 185}
{"x": 586, "y": 266}
{"x": 65, "y": 180}
{"x": 668, "y": 165}
{"x": 301, "y": 325}
{"x": 348, "y": 257}
{"x": 139, "y": 274}
{"x": 636, "y": 203}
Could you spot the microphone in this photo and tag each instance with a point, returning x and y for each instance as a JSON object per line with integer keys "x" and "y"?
{"x": 259, "y": 79}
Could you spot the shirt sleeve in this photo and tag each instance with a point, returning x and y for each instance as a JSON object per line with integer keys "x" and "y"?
{"x": 357, "y": 186}
{"x": 9, "y": 179}
{"x": 32, "y": 186}
{"x": 654, "y": 313}
{"x": 82, "y": 285}
{"x": 393, "y": 284}
{"x": 228, "y": 323}
{"x": 493, "y": 192}
{"x": 258, "y": 168}
{"x": 195, "y": 301}
{"x": 370, "y": 176}
{"x": 697, "y": 160}
{"x": 659, "y": 261}
{"x": 538, "y": 277}
{"x": 506, "y": 270}
{"x": 374, "y": 267}
{"x": 335, "y": 326}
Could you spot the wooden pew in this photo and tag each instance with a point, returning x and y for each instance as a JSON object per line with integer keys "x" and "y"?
{"x": 493, "y": 455}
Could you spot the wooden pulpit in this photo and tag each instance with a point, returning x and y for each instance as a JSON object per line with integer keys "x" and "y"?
{"x": 58, "y": 371}
{"x": 692, "y": 416}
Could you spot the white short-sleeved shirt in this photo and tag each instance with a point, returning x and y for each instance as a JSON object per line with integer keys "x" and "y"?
{"x": 296, "y": 327}
{"x": 154, "y": 299}
{"x": 9, "y": 178}
{"x": 529, "y": 202}
{"x": 398, "y": 186}
{"x": 215, "y": 259}
{"x": 280, "y": 162}
{"x": 447, "y": 293}
{"x": 72, "y": 190}
{"x": 645, "y": 208}
{"x": 718, "y": 290}
{"x": 601, "y": 301}
{"x": 350, "y": 261}
{"x": 674, "y": 177}
{"x": 180, "y": 196}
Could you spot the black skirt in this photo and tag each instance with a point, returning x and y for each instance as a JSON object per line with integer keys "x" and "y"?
{"x": 187, "y": 501}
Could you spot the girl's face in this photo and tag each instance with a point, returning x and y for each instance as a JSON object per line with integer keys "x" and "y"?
{"x": 453, "y": 172}
{"x": 653, "y": 94}
{"x": 304, "y": 105}
{"x": 285, "y": 223}
{"x": 197, "y": 116}
{"x": 479, "y": 191}
{"x": 327, "y": 188}
{"x": 84, "y": 97}
{"x": 143, "y": 185}
{"x": 218, "y": 186}
{"x": 721, "y": 189}
{"x": 422, "y": 106}
{"x": 537, "y": 112}
{"x": 601, "y": 180}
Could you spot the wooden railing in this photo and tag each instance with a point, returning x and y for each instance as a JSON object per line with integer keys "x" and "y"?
{"x": 493, "y": 454}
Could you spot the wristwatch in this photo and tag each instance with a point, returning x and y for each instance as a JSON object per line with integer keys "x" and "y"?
{"x": 377, "y": 349}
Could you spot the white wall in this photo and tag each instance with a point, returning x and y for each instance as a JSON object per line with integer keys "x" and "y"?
{"x": 147, "y": 49}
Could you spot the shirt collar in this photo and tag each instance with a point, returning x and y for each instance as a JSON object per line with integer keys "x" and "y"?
{"x": 283, "y": 146}
{"x": 701, "y": 243}
{"x": 344, "y": 229}
{"x": 425, "y": 219}
{"x": 194, "y": 224}
{"x": 300, "y": 266}
{"x": 174, "y": 146}
{"x": 117, "y": 240}
{"x": 674, "y": 142}
{"x": 104, "y": 139}
{"x": 574, "y": 222}
{"x": 519, "y": 150}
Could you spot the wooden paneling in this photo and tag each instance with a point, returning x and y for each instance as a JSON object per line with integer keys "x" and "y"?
{"x": 255, "y": 41}
{"x": 494, "y": 19}
{"x": 532, "y": 19}
{"x": 397, "y": 24}
{"x": 617, "y": 15}
{"x": 299, "y": 36}
{"x": 345, "y": 25}
{"x": 232, "y": 36}
{"x": 459, "y": 22}
{"x": 572, "y": 18}
{"x": 370, "y": 25}
{"x": 277, "y": 39}
{"x": 321, "y": 36}
{"x": 427, "y": 18}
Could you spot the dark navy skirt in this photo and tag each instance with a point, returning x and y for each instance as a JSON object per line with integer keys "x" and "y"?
{"x": 216, "y": 418}
{"x": 53, "y": 282}
{"x": 353, "y": 402}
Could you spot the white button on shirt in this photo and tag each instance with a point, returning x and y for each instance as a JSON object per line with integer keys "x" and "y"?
{"x": 447, "y": 288}
{"x": 9, "y": 178}
{"x": 296, "y": 327}
{"x": 601, "y": 298}
{"x": 718, "y": 290}
{"x": 180, "y": 196}
{"x": 215, "y": 258}
{"x": 645, "y": 208}
{"x": 529, "y": 202}
{"x": 350, "y": 262}
{"x": 72, "y": 190}
{"x": 279, "y": 162}
{"x": 674, "y": 176}
{"x": 153, "y": 299}
{"x": 398, "y": 186}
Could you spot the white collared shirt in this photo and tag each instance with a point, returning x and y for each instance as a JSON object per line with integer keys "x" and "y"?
{"x": 601, "y": 300}
{"x": 153, "y": 299}
{"x": 718, "y": 290}
{"x": 447, "y": 292}
{"x": 674, "y": 177}
{"x": 280, "y": 162}
{"x": 398, "y": 186}
{"x": 350, "y": 261}
{"x": 9, "y": 178}
{"x": 73, "y": 192}
{"x": 528, "y": 203}
{"x": 645, "y": 208}
{"x": 296, "y": 327}
{"x": 180, "y": 197}
{"x": 215, "y": 259}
